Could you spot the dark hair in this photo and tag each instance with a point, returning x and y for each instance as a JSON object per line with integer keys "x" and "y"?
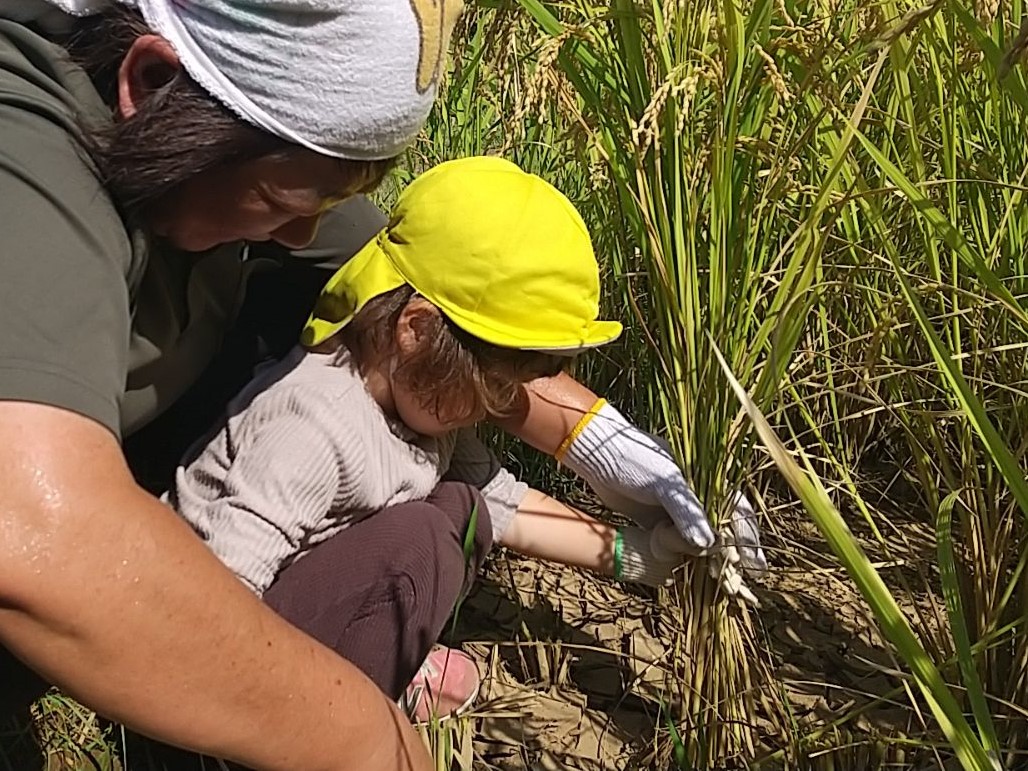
{"x": 178, "y": 131}
{"x": 454, "y": 375}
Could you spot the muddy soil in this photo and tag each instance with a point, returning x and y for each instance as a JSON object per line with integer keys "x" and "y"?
{"x": 576, "y": 666}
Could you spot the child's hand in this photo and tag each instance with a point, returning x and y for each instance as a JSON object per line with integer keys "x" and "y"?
{"x": 634, "y": 472}
{"x": 640, "y": 556}
{"x": 727, "y": 564}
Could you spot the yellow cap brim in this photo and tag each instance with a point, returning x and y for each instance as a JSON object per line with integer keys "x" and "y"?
{"x": 371, "y": 273}
{"x": 591, "y": 335}
{"x": 596, "y": 334}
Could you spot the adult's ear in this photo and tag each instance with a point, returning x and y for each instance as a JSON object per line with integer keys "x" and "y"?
{"x": 416, "y": 324}
{"x": 150, "y": 63}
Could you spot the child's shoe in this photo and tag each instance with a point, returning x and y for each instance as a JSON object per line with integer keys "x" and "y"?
{"x": 445, "y": 686}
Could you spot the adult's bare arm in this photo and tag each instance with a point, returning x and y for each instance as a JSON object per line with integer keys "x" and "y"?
{"x": 105, "y": 592}
{"x": 549, "y": 410}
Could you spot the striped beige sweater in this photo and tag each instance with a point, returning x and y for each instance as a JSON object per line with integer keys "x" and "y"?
{"x": 306, "y": 451}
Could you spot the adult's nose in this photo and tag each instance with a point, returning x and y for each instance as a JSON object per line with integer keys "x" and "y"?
{"x": 298, "y": 232}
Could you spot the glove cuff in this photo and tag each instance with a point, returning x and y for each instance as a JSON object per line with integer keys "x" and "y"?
{"x": 578, "y": 429}
{"x": 585, "y": 450}
{"x": 634, "y": 561}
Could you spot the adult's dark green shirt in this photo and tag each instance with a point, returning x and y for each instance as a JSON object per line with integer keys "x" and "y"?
{"x": 92, "y": 319}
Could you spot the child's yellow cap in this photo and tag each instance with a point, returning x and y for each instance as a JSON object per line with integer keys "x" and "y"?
{"x": 501, "y": 252}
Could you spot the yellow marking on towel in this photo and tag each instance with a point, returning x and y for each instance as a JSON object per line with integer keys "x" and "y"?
{"x": 436, "y": 20}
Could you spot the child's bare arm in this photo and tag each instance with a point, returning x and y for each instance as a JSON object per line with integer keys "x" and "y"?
{"x": 550, "y": 530}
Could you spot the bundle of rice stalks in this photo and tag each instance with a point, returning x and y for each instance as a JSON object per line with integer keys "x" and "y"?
{"x": 718, "y": 172}
{"x": 738, "y": 142}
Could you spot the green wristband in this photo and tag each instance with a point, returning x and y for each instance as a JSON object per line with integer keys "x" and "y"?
{"x": 619, "y": 546}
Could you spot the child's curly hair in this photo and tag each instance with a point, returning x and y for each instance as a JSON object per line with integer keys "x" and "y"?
{"x": 455, "y": 375}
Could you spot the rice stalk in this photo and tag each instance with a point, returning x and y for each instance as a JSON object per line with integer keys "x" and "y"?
{"x": 687, "y": 91}
{"x": 969, "y": 750}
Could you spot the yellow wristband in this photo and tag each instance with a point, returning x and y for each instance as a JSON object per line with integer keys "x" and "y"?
{"x": 578, "y": 429}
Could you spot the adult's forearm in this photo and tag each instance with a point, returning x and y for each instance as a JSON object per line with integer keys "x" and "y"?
{"x": 105, "y": 592}
{"x": 195, "y": 660}
{"x": 550, "y": 410}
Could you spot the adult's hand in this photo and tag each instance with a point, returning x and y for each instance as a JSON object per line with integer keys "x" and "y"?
{"x": 107, "y": 593}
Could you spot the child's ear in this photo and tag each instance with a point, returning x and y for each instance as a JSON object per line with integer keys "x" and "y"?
{"x": 417, "y": 323}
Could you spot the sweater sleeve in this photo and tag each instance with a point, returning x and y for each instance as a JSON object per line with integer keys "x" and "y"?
{"x": 474, "y": 464}
{"x": 288, "y": 474}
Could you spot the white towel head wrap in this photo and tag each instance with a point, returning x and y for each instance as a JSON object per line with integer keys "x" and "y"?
{"x": 348, "y": 78}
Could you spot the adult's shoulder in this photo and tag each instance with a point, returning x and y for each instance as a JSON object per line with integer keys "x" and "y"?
{"x": 51, "y": 188}
{"x": 68, "y": 259}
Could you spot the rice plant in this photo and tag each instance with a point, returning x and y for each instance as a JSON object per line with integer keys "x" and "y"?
{"x": 704, "y": 139}
{"x": 958, "y": 165}
{"x": 831, "y": 196}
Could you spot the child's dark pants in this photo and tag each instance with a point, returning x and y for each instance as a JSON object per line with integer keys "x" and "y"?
{"x": 381, "y": 592}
